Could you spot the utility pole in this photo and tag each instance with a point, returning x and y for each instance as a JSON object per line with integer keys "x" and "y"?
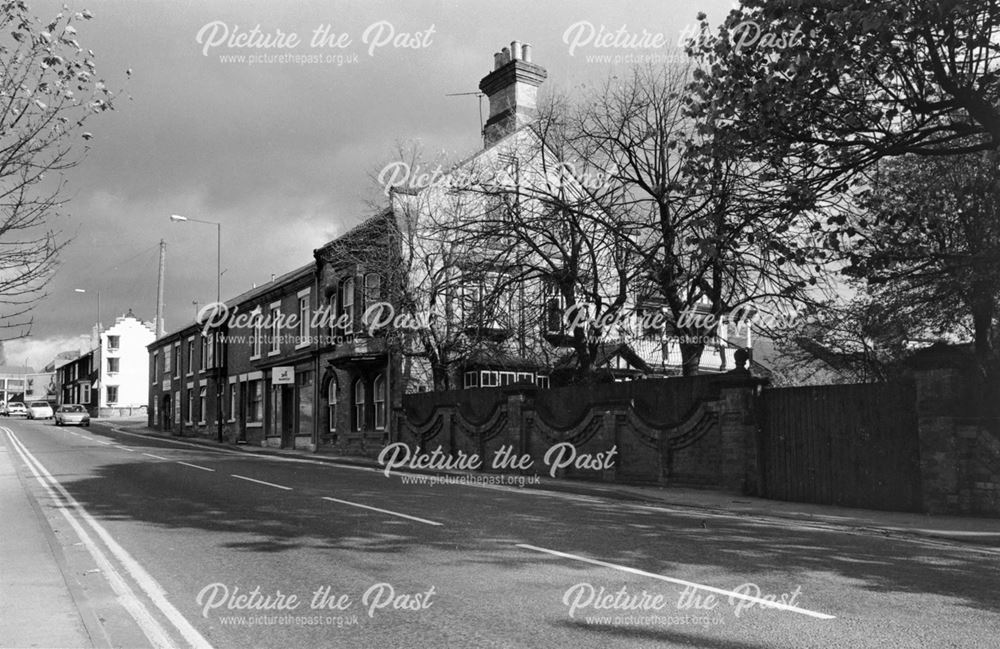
{"x": 160, "y": 329}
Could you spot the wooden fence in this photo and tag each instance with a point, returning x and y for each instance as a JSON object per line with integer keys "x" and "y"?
{"x": 847, "y": 445}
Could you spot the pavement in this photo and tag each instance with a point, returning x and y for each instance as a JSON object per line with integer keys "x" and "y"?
{"x": 38, "y": 603}
{"x": 976, "y": 530}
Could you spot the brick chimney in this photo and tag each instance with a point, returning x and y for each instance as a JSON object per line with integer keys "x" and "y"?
{"x": 512, "y": 89}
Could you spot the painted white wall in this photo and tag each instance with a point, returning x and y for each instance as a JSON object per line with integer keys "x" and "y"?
{"x": 132, "y": 376}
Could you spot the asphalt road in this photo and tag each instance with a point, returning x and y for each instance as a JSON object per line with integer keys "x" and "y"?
{"x": 179, "y": 538}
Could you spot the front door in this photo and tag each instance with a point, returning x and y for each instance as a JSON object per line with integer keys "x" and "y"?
{"x": 287, "y": 422}
{"x": 165, "y": 413}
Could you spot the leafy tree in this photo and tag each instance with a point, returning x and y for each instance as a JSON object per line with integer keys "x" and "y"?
{"x": 48, "y": 89}
{"x": 844, "y": 84}
{"x": 928, "y": 240}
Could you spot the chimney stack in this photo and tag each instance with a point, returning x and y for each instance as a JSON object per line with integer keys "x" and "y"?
{"x": 512, "y": 88}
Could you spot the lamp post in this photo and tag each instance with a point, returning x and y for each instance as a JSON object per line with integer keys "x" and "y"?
{"x": 177, "y": 218}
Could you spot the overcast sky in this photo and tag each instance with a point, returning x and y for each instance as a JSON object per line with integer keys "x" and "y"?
{"x": 279, "y": 153}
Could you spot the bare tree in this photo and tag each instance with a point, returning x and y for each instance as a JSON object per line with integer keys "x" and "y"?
{"x": 532, "y": 234}
{"x": 713, "y": 231}
{"x": 48, "y": 89}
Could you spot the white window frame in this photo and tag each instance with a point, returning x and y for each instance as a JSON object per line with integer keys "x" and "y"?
{"x": 359, "y": 407}
{"x": 202, "y": 403}
{"x": 255, "y": 388}
{"x": 190, "y": 356}
{"x": 233, "y": 400}
{"x": 275, "y": 347}
{"x": 304, "y": 318}
{"x": 256, "y": 344}
{"x": 347, "y": 305}
{"x": 471, "y": 380}
{"x": 208, "y": 342}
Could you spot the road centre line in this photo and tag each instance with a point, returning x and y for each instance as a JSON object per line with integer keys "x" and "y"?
{"x": 67, "y": 504}
{"x": 101, "y": 441}
{"x": 158, "y": 457}
{"x": 195, "y": 466}
{"x": 688, "y": 584}
{"x": 269, "y": 484}
{"x": 384, "y": 511}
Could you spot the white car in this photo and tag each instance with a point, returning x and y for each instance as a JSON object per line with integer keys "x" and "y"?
{"x": 72, "y": 414}
{"x": 39, "y": 410}
{"x": 14, "y": 408}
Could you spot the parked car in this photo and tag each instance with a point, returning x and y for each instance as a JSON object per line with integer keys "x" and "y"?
{"x": 39, "y": 410}
{"x": 14, "y": 408}
{"x": 72, "y": 414}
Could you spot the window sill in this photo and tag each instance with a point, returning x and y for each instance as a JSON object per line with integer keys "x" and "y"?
{"x": 302, "y": 345}
{"x": 273, "y": 352}
{"x": 255, "y": 424}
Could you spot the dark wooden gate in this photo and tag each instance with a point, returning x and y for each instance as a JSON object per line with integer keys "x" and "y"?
{"x": 847, "y": 445}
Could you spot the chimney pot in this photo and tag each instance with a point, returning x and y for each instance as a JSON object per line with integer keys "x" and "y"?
{"x": 497, "y": 60}
{"x": 505, "y": 52}
{"x": 526, "y": 52}
{"x": 515, "y": 50}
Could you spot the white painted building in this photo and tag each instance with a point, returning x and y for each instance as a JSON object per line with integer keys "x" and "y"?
{"x": 123, "y": 373}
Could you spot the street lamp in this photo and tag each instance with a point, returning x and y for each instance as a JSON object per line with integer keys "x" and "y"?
{"x": 218, "y": 250}
{"x": 83, "y": 290}
{"x": 177, "y": 218}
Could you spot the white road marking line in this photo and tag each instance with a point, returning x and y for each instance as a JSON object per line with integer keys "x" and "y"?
{"x": 158, "y": 457}
{"x": 248, "y": 455}
{"x": 384, "y": 511}
{"x": 689, "y": 584}
{"x": 125, "y": 448}
{"x": 101, "y": 441}
{"x": 195, "y": 466}
{"x": 146, "y": 582}
{"x": 269, "y": 484}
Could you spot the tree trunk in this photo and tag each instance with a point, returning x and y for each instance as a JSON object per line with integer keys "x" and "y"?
{"x": 442, "y": 381}
{"x": 982, "y": 321}
{"x": 691, "y": 358}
